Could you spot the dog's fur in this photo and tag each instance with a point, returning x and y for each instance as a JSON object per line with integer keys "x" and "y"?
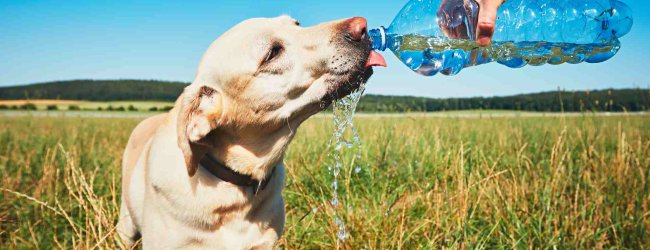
{"x": 254, "y": 86}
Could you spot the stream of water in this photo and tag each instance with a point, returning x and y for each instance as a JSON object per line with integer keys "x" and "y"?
{"x": 344, "y": 139}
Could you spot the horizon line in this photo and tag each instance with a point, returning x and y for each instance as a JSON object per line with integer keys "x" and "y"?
{"x": 637, "y": 87}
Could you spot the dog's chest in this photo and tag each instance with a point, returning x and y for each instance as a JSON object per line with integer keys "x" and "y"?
{"x": 204, "y": 212}
{"x": 201, "y": 200}
{"x": 210, "y": 216}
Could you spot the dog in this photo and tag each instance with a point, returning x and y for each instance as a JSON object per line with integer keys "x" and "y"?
{"x": 209, "y": 174}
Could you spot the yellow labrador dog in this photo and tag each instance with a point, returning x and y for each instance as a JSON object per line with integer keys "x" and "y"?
{"x": 209, "y": 174}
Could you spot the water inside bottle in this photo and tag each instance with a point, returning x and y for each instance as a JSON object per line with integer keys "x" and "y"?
{"x": 430, "y": 55}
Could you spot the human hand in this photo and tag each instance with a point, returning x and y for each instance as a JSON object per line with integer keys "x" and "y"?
{"x": 486, "y": 20}
{"x": 452, "y": 14}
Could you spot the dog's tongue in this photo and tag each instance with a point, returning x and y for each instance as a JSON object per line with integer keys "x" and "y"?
{"x": 375, "y": 59}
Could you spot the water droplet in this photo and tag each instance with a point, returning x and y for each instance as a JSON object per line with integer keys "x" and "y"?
{"x": 341, "y": 234}
{"x": 335, "y": 185}
{"x": 335, "y": 201}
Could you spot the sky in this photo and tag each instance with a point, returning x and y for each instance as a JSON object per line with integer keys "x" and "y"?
{"x": 122, "y": 39}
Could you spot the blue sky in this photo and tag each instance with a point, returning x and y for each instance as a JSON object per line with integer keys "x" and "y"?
{"x": 60, "y": 40}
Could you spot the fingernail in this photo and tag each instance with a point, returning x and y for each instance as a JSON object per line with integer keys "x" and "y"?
{"x": 485, "y": 32}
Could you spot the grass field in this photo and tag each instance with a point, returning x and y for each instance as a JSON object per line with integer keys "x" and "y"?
{"x": 525, "y": 183}
{"x": 88, "y": 105}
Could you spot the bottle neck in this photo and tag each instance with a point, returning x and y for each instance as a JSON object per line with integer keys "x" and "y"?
{"x": 378, "y": 37}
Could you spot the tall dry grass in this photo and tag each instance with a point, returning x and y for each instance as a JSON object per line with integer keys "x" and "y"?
{"x": 522, "y": 183}
{"x": 60, "y": 182}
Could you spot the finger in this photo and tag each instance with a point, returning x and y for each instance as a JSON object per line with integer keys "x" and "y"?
{"x": 486, "y": 21}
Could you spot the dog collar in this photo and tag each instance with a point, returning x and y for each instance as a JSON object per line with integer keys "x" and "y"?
{"x": 229, "y": 175}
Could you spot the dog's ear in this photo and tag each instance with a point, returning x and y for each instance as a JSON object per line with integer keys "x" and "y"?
{"x": 199, "y": 114}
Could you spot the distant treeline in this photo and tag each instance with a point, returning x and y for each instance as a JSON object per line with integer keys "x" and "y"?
{"x": 74, "y": 107}
{"x": 150, "y": 90}
{"x": 96, "y": 90}
{"x": 613, "y": 100}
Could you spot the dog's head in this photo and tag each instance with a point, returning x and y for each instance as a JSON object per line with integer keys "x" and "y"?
{"x": 262, "y": 78}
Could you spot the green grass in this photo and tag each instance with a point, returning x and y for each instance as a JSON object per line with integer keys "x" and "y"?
{"x": 482, "y": 111}
{"x": 141, "y": 105}
{"x": 579, "y": 182}
{"x": 90, "y": 105}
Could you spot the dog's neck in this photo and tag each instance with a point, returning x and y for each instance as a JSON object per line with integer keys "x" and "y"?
{"x": 250, "y": 156}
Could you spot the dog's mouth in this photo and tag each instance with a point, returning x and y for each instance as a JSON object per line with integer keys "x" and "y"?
{"x": 349, "y": 75}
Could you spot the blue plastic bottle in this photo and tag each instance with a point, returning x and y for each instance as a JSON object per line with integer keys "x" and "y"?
{"x": 432, "y": 36}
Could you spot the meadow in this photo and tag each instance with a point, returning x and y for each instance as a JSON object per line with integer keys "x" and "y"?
{"x": 86, "y": 105}
{"x": 478, "y": 183}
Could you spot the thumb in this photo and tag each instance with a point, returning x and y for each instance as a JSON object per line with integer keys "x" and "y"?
{"x": 486, "y": 21}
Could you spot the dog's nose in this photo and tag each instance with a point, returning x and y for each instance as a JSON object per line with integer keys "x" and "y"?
{"x": 357, "y": 29}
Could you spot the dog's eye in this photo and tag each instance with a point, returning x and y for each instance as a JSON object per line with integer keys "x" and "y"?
{"x": 275, "y": 50}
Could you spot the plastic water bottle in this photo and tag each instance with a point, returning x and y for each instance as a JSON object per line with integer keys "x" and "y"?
{"x": 432, "y": 36}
